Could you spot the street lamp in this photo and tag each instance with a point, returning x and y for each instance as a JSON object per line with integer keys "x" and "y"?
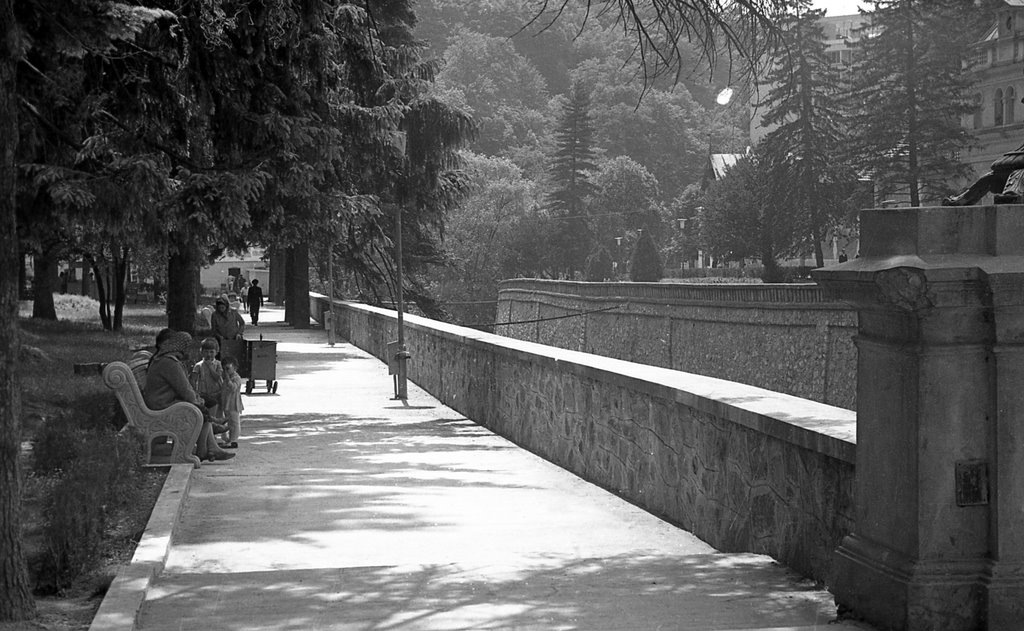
{"x": 329, "y": 315}
{"x": 399, "y": 358}
{"x": 724, "y": 96}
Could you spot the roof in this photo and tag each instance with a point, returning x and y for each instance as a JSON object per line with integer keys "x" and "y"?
{"x": 720, "y": 163}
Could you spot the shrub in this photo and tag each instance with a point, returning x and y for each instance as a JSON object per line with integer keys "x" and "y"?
{"x": 645, "y": 264}
{"x": 91, "y": 473}
{"x": 599, "y": 266}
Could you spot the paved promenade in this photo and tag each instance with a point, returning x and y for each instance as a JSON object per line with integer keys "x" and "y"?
{"x": 347, "y": 510}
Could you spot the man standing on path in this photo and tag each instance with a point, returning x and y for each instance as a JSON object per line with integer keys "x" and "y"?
{"x": 255, "y": 300}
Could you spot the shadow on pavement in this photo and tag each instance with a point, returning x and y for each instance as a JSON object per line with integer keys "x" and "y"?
{"x": 586, "y": 594}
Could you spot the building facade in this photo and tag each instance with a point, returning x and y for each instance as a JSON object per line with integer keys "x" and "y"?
{"x": 998, "y": 123}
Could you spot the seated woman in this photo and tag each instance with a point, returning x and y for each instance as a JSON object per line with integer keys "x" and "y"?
{"x": 167, "y": 383}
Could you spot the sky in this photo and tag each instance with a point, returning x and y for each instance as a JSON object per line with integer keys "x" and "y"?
{"x": 837, "y": 7}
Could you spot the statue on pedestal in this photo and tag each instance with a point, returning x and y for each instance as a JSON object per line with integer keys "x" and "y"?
{"x": 1005, "y": 180}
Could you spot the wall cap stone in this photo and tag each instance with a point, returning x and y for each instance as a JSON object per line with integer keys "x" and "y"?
{"x": 821, "y": 428}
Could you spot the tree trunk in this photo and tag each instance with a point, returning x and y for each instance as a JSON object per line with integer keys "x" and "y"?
{"x": 16, "y": 601}
{"x": 101, "y": 292}
{"x": 44, "y": 267}
{"x": 121, "y": 266}
{"x": 297, "y": 286}
{"x": 22, "y": 277}
{"x": 182, "y": 288}
{"x": 86, "y": 284}
{"x": 275, "y": 293}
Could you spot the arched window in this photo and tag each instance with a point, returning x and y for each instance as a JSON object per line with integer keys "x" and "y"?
{"x": 1011, "y": 101}
{"x": 977, "y": 111}
{"x": 997, "y": 109}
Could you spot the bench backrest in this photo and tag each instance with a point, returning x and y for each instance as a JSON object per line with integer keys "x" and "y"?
{"x": 118, "y": 377}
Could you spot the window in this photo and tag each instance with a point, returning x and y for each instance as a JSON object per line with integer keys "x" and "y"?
{"x": 997, "y": 109}
{"x": 977, "y": 111}
{"x": 1011, "y": 101}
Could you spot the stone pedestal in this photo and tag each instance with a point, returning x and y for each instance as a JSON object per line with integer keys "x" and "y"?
{"x": 939, "y": 535}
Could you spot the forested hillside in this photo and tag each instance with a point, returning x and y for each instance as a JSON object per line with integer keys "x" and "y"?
{"x": 643, "y": 142}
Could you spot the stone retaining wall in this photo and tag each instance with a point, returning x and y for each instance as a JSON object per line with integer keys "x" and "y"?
{"x": 786, "y": 338}
{"x": 743, "y": 468}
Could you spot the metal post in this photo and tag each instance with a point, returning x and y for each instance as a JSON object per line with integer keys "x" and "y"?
{"x": 329, "y": 315}
{"x": 401, "y": 386}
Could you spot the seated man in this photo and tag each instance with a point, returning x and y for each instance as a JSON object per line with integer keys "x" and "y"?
{"x": 167, "y": 383}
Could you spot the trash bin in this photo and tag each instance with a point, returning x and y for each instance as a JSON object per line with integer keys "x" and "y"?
{"x": 262, "y": 363}
{"x": 257, "y": 361}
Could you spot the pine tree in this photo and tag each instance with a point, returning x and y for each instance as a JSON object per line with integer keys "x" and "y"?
{"x": 908, "y": 95}
{"x": 572, "y": 161}
{"x": 645, "y": 264}
{"x": 803, "y": 151}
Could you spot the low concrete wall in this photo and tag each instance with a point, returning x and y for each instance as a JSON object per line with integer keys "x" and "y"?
{"x": 787, "y": 338}
{"x": 743, "y": 468}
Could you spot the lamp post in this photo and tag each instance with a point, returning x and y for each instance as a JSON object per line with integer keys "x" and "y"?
{"x": 329, "y": 315}
{"x": 401, "y": 354}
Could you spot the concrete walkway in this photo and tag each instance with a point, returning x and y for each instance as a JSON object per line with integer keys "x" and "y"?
{"x": 346, "y": 510}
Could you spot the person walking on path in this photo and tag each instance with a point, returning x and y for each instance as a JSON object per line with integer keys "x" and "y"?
{"x": 226, "y": 323}
{"x": 255, "y": 300}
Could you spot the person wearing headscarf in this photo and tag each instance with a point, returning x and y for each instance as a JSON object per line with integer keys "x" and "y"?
{"x": 167, "y": 383}
{"x": 226, "y": 323}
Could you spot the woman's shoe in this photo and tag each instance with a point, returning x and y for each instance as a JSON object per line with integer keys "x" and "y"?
{"x": 223, "y": 455}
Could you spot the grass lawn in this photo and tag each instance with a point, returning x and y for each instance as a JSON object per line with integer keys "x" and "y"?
{"x": 49, "y": 386}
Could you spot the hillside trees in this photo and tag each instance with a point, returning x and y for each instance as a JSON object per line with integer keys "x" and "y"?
{"x": 805, "y": 147}
{"x": 908, "y": 95}
{"x": 660, "y": 129}
{"x": 502, "y": 90}
{"x": 624, "y": 200}
{"x": 664, "y": 33}
{"x": 496, "y": 232}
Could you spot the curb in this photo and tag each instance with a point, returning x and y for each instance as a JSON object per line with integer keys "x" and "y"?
{"x": 122, "y": 604}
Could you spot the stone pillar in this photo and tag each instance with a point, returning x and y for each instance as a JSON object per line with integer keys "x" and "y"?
{"x": 938, "y": 541}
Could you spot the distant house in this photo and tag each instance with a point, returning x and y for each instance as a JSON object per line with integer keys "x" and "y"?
{"x": 717, "y": 165}
{"x": 218, "y": 277}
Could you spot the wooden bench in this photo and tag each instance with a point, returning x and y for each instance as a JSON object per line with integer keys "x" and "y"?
{"x": 180, "y": 424}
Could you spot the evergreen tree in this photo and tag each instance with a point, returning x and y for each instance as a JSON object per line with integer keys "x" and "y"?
{"x": 908, "y": 95}
{"x": 645, "y": 265}
{"x": 573, "y": 160}
{"x": 803, "y": 149}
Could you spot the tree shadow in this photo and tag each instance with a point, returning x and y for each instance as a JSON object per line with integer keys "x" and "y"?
{"x": 702, "y": 592}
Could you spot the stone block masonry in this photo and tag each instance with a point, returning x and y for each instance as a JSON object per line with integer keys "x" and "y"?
{"x": 743, "y": 468}
{"x": 787, "y": 338}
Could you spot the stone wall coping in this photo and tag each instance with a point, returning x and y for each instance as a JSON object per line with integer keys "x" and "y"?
{"x": 780, "y": 296}
{"x": 815, "y": 426}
